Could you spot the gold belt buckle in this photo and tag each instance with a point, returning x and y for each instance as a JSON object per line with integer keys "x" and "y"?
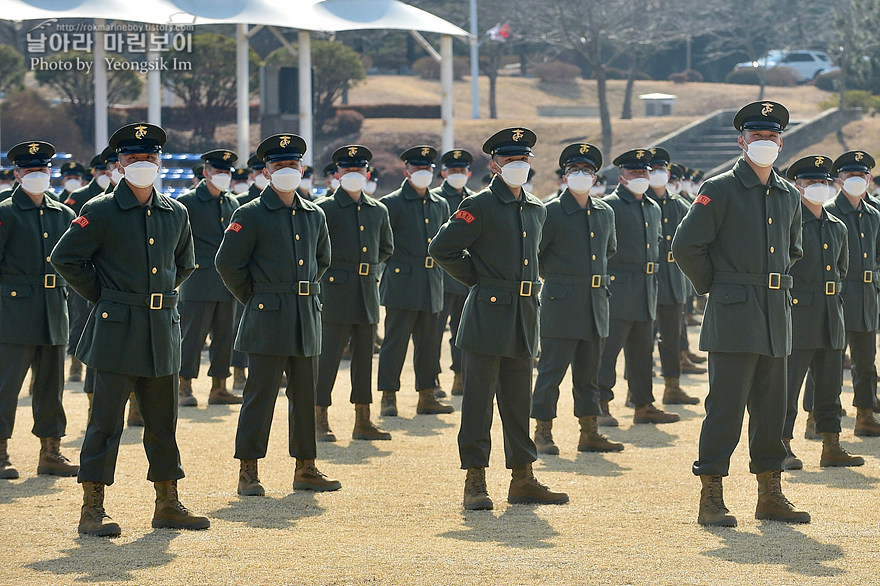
{"x": 830, "y": 287}
{"x": 49, "y": 281}
{"x": 596, "y": 281}
{"x": 303, "y": 288}
{"x": 868, "y": 277}
{"x": 429, "y": 262}
{"x": 156, "y": 300}
{"x": 364, "y": 268}
{"x": 774, "y": 281}
{"x": 669, "y": 257}
{"x": 525, "y": 289}
{"x": 649, "y": 268}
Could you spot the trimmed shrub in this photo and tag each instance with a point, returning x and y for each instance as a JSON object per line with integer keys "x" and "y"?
{"x": 777, "y": 77}
{"x": 556, "y": 71}
{"x": 394, "y": 110}
{"x": 828, "y": 81}
{"x": 429, "y": 68}
{"x": 854, "y": 99}
{"x": 345, "y": 122}
{"x": 678, "y": 78}
{"x": 694, "y": 75}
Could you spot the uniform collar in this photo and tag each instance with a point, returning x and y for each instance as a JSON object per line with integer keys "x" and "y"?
{"x": 410, "y": 193}
{"x": 842, "y": 202}
{"x": 203, "y": 194}
{"x": 23, "y": 201}
{"x": 746, "y": 175}
{"x": 570, "y": 204}
{"x": 650, "y": 193}
{"x": 809, "y": 217}
{"x": 450, "y": 191}
{"x": 127, "y": 199}
{"x": 271, "y": 200}
{"x": 626, "y": 195}
{"x": 502, "y": 192}
{"x": 344, "y": 200}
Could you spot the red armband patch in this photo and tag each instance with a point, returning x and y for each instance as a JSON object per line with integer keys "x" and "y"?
{"x": 81, "y": 221}
{"x": 69, "y": 202}
{"x": 703, "y": 199}
{"x": 463, "y": 215}
{"x": 234, "y": 227}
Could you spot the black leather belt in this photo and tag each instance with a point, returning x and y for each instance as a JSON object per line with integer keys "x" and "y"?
{"x": 594, "y": 281}
{"x": 425, "y": 261}
{"x": 300, "y": 288}
{"x": 769, "y": 280}
{"x": 150, "y": 300}
{"x": 47, "y": 281}
{"x": 648, "y": 268}
{"x": 522, "y": 288}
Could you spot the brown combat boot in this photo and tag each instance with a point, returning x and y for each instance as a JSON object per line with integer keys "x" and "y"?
{"x": 810, "y": 432}
{"x": 219, "y": 395}
{"x": 306, "y": 476}
{"x": 674, "y": 395}
{"x": 791, "y": 461}
{"x": 606, "y": 419}
{"x": 457, "y": 385}
{"x": 772, "y": 504}
{"x": 364, "y": 429}
{"x": 688, "y": 367}
{"x": 249, "y": 480}
{"x": 185, "y": 396}
{"x": 650, "y": 414}
{"x": 439, "y": 393}
{"x": 52, "y": 461}
{"x": 389, "y": 404}
{"x": 593, "y": 441}
{"x": 76, "y": 368}
{"x": 134, "y": 414}
{"x": 92, "y": 518}
{"x": 695, "y": 358}
{"x": 866, "y": 424}
{"x": 476, "y": 496}
{"x": 239, "y": 378}
{"x": 544, "y": 437}
{"x": 429, "y": 405}
{"x": 7, "y": 471}
{"x": 525, "y": 488}
{"x": 713, "y": 511}
{"x": 323, "y": 433}
{"x": 170, "y": 513}
{"x": 834, "y": 455}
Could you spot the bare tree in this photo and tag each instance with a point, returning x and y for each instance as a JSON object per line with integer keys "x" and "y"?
{"x": 854, "y": 46}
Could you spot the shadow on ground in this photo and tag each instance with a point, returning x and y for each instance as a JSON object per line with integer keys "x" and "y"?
{"x": 265, "y": 512}
{"x": 518, "y": 526}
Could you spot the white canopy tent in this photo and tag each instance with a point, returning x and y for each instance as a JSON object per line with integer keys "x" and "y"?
{"x": 304, "y": 15}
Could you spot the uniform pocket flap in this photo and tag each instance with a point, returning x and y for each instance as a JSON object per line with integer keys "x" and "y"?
{"x": 16, "y": 291}
{"x": 265, "y": 302}
{"x": 555, "y": 291}
{"x": 494, "y": 296}
{"x": 112, "y": 312}
{"x": 728, "y": 294}
{"x": 335, "y": 277}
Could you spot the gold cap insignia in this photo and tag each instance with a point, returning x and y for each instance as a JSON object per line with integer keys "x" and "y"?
{"x": 456, "y": 154}
{"x": 140, "y": 132}
{"x": 227, "y": 155}
{"x": 585, "y": 148}
{"x": 352, "y": 151}
{"x": 819, "y": 161}
{"x": 859, "y": 156}
{"x": 767, "y": 108}
{"x": 426, "y": 151}
{"x": 33, "y": 148}
{"x": 284, "y": 141}
{"x": 518, "y": 134}
{"x": 640, "y": 154}
{"x": 652, "y": 151}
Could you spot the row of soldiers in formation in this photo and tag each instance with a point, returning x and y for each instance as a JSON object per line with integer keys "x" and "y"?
{"x": 605, "y": 270}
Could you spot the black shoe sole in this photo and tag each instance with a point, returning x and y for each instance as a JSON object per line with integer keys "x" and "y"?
{"x": 164, "y": 524}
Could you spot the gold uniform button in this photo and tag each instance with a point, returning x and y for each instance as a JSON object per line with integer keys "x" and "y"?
{"x": 293, "y": 213}
{"x": 794, "y": 301}
{"x": 493, "y": 299}
{"x": 364, "y": 249}
{"x": 152, "y": 241}
{"x": 769, "y": 220}
{"x": 149, "y": 212}
{"x": 396, "y": 270}
{"x": 646, "y": 224}
{"x": 362, "y": 228}
{"x": 221, "y": 219}
{"x": 592, "y": 234}
{"x": 827, "y": 267}
{"x": 426, "y": 220}
{"x": 665, "y": 220}
{"x": 524, "y": 233}
{"x": 649, "y": 246}
{"x": 300, "y": 262}
{"x": 297, "y": 236}
{"x": 260, "y": 306}
{"x": 865, "y": 254}
{"x": 429, "y": 241}
{"x": 330, "y": 279}
{"x": 47, "y": 259}
{"x": 588, "y": 212}
{"x": 14, "y": 294}
{"x": 525, "y": 261}
{"x": 772, "y": 250}
{"x": 825, "y": 246}
{"x": 668, "y": 237}
{"x": 863, "y": 234}
{"x": 155, "y": 270}
{"x": 594, "y": 257}
{"x": 105, "y": 315}
{"x": 359, "y": 208}
{"x": 197, "y": 265}
{"x": 860, "y": 214}
{"x": 45, "y": 234}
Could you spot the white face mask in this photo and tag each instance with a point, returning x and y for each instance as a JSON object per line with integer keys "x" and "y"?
{"x": 580, "y": 182}
{"x": 855, "y": 186}
{"x": 818, "y": 193}
{"x": 687, "y": 187}
{"x": 457, "y": 180}
{"x": 286, "y": 179}
{"x": 527, "y": 187}
{"x": 72, "y": 185}
{"x": 658, "y": 178}
{"x": 141, "y": 173}
{"x": 597, "y": 190}
{"x": 370, "y": 187}
{"x": 115, "y": 175}
{"x": 221, "y": 181}
{"x": 516, "y": 173}
{"x": 763, "y": 153}
{"x": 672, "y": 188}
{"x": 260, "y": 181}
{"x": 639, "y": 185}
{"x": 240, "y": 188}
{"x": 334, "y": 184}
{"x": 36, "y": 182}
{"x": 306, "y": 184}
{"x": 353, "y": 182}
{"x": 103, "y": 181}
{"x": 421, "y": 179}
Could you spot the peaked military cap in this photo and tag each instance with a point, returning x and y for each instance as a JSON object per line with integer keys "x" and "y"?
{"x": 352, "y": 155}
{"x": 634, "y": 159}
{"x": 31, "y": 154}
{"x": 7, "y": 174}
{"x": 108, "y": 155}
{"x": 199, "y": 171}
{"x": 98, "y": 162}
{"x": 696, "y": 175}
{"x": 601, "y": 179}
{"x": 560, "y": 172}
{"x": 659, "y": 156}
{"x": 308, "y": 171}
{"x": 853, "y": 161}
{"x": 282, "y": 147}
{"x": 222, "y": 159}
{"x": 419, "y": 155}
{"x": 581, "y": 152}
{"x": 510, "y": 142}
{"x": 240, "y": 174}
{"x": 812, "y": 167}
{"x": 255, "y": 163}
{"x": 140, "y": 137}
{"x": 72, "y": 168}
{"x": 329, "y": 169}
{"x": 456, "y": 158}
{"x": 676, "y": 171}
{"x": 764, "y": 115}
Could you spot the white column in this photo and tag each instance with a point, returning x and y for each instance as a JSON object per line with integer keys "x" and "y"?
{"x": 475, "y": 63}
{"x": 243, "y": 106}
{"x": 154, "y": 92}
{"x": 448, "y": 132}
{"x": 305, "y": 94}
{"x": 100, "y": 72}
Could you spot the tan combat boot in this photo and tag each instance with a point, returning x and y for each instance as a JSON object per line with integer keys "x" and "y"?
{"x": 525, "y": 488}
{"x": 772, "y": 504}
{"x": 593, "y": 441}
{"x": 688, "y": 367}
{"x": 810, "y": 432}
{"x": 439, "y": 393}
{"x": 544, "y": 437}
{"x": 170, "y": 513}
{"x": 52, "y": 461}
{"x": 833, "y": 454}
{"x": 249, "y": 480}
{"x": 323, "y": 433}
{"x": 239, "y": 378}
{"x": 185, "y": 396}
{"x": 76, "y": 368}
{"x": 695, "y": 358}
{"x": 457, "y": 385}
{"x": 7, "y": 471}
{"x": 389, "y": 404}
{"x": 713, "y": 511}
{"x": 429, "y": 405}
{"x": 866, "y": 425}
{"x": 606, "y": 419}
{"x": 476, "y": 496}
{"x": 306, "y": 476}
{"x": 650, "y": 414}
{"x": 134, "y": 414}
{"x": 219, "y": 395}
{"x": 364, "y": 429}
{"x": 674, "y": 395}
{"x": 791, "y": 461}
{"x": 91, "y": 519}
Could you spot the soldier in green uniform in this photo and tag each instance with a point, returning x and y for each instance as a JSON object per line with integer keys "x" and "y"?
{"x": 33, "y": 309}
{"x": 127, "y": 253}
{"x": 198, "y": 174}
{"x": 411, "y": 288}
{"x": 7, "y": 182}
{"x": 331, "y": 182}
{"x": 239, "y": 184}
{"x": 305, "y": 185}
{"x": 455, "y": 170}
{"x": 577, "y": 240}
{"x": 817, "y": 324}
{"x": 272, "y": 258}
{"x": 372, "y": 182}
{"x": 860, "y": 288}
{"x": 208, "y": 306}
{"x": 259, "y": 181}
{"x": 633, "y": 286}
{"x": 71, "y": 179}
{"x": 738, "y": 241}
{"x": 491, "y": 245}
{"x": 361, "y": 239}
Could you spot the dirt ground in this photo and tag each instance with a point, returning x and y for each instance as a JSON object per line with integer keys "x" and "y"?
{"x": 398, "y": 518}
